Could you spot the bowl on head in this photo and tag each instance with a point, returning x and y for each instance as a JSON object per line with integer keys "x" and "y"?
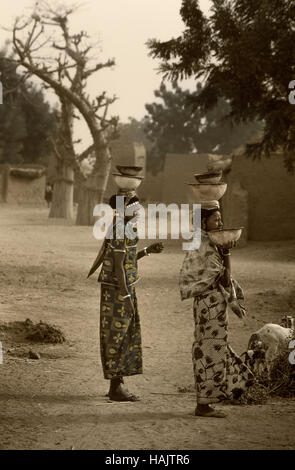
{"x": 208, "y": 191}
{"x": 129, "y": 170}
{"x": 224, "y": 236}
{"x": 209, "y": 177}
{"x": 127, "y": 183}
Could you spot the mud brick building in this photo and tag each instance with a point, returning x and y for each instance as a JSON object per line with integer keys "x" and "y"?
{"x": 22, "y": 184}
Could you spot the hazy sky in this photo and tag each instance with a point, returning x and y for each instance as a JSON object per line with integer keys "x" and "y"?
{"x": 123, "y": 27}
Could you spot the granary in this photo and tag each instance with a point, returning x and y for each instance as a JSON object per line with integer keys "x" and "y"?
{"x": 22, "y": 184}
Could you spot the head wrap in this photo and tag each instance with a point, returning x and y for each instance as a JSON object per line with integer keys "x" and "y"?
{"x": 209, "y": 205}
{"x": 128, "y": 198}
{"x": 208, "y": 208}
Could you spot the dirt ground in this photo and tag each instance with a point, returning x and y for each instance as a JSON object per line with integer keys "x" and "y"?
{"x": 58, "y": 401}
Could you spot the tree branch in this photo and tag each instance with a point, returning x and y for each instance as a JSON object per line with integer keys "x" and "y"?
{"x": 85, "y": 153}
{"x": 55, "y": 150}
{"x": 109, "y": 63}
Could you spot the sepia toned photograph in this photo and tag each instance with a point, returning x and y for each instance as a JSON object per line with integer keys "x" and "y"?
{"x": 147, "y": 228}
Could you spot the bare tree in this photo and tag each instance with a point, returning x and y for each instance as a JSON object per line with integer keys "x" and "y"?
{"x": 67, "y": 72}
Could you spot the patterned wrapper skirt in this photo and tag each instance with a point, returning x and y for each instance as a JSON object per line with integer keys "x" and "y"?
{"x": 219, "y": 372}
{"x": 120, "y": 335}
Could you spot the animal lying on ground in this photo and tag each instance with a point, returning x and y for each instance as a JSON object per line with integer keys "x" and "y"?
{"x": 265, "y": 345}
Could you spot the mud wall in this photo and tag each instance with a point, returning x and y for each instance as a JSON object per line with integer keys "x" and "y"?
{"x": 235, "y": 209}
{"x": 179, "y": 169}
{"x": 270, "y": 198}
{"x": 23, "y": 190}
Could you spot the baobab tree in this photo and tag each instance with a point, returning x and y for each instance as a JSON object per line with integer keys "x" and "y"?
{"x": 66, "y": 72}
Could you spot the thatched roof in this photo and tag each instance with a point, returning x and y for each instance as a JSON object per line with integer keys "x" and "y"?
{"x": 29, "y": 173}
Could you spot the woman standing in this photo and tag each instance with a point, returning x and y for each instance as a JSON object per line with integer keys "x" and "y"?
{"x": 120, "y": 333}
{"x": 206, "y": 276}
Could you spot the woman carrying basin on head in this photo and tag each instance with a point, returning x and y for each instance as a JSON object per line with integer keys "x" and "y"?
{"x": 206, "y": 276}
{"x": 120, "y": 332}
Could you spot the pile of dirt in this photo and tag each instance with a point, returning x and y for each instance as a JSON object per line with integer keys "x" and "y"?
{"x": 24, "y": 331}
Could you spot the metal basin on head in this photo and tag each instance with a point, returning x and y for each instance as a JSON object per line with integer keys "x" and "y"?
{"x": 127, "y": 183}
{"x": 225, "y": 235}
{"x": 209, "y": 177}
{"x": 129, "y": 170}
{"x": 208, "y": 191}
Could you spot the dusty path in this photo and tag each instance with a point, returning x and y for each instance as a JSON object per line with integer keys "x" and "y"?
{"x": 58, "y": 402}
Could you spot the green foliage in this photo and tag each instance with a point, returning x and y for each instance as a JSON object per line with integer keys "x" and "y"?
{"x": 134, "y": 130}
{"x": 41, "y": 122}
{"x": 12, "y": 121}
{"x": 177, "y": 125}
{"x": 245, "y": 53}
{"x": 26, "y": 120}
{"x": 171, "y": 124}
{"x": 12, "y": 133}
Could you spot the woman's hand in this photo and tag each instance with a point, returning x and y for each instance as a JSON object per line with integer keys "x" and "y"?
{"x": 155, "y": 248}
{"x": 227, "y": 246}
{"x": 239, "y": 310}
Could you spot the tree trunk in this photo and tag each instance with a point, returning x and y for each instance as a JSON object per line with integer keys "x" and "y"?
{"x": 98, "y": 181}
{"x": 62, "y": 198}
{"x": 92, "y": 191}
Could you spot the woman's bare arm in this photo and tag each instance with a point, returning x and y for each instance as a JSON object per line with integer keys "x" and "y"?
{"x": 225, "y": 279}
{"x": 120, "y": 275}
{"x": 225, "y": 253}
{"x": 120, "y": 272}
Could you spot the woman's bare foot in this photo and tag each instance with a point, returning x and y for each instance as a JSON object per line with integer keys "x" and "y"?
{"x": 118, "y": 393}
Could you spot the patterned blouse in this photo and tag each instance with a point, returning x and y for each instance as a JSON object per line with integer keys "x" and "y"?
{"x": 120, "y": 243}
{"x": 201, "y": 271}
